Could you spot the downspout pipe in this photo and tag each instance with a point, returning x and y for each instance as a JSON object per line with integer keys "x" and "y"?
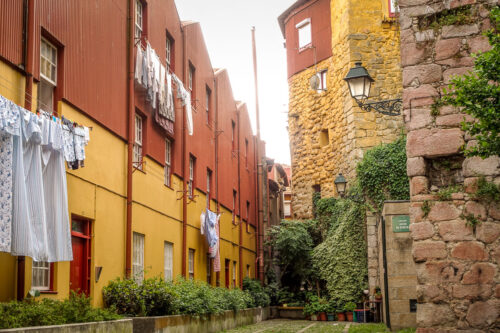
{"x": 29, "y": 31}
{"x": 130, "y": 135}
{"x": 184, "y": 172}
{"x": 386, "y": 282}
{"x": 216, "y": 134}
{"x": 257, "y": 202}
{"x": 240, "y": 255}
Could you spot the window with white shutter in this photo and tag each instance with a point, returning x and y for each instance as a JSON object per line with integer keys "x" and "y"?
{"x": 40, "y": 278}
{"x": 191, "y": 264}
{"x": 168, "y": 161}
{"x": 168, "y": 254}
{"x": 304, "y": 32}
{"x": 138, "y": 257}
{"x": 137, "y": 157}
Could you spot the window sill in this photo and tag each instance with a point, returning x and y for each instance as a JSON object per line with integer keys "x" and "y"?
{"x": 304, "y": 48}
{"x": 168, "y": 186}
{"x": 48, "y": 292}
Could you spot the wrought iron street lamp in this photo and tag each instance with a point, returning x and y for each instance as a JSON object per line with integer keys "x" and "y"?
{"x": 359, "y": 82}
{"x": 340, "y": 184}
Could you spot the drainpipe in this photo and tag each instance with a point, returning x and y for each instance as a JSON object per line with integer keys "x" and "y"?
{"x": 265, "y": 213}
{"x": 130, "y": 134}
{"x": 184, "y": 181}
{"x": 386, "y": 283}
{"x": 216, "y": 132}
{"x": 29, "y": 25}
{"x": 239, "y": 196}
{"x": 257, "y": 202}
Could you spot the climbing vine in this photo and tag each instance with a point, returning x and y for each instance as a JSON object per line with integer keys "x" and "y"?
{"x": 341, "y": 259}
{"x": 382, "y": 174}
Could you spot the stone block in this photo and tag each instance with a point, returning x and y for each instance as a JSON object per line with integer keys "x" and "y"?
{"x": 459, "y": 3}
{"x": 419, "y": 118}
{"x": 479, "y": 44}
{"x": 407, "y": 36}
{"x": 431, "y": 293}
{"x": 434, "y": 143}
{"x": 476, "y": 209}
{"x": 440, "y": 272}
{"x": 416, "y": 166}
{"x": 419, "y": 185}
{"x": 494, "y": 211}
{"x": 470, "y": 184}
{"x": 422, "y": 230}
{"x": 455, "y": 230}
{"x": 451, "y": 73}
{"x": 475, "y": 166}
{"x": 488, "y": 232}
{"x": 421, "y": 74}
{"x": 451, "y": 31}
{"x": 457, "y": 62}
{"x": 443, "y": 211}
{"x": 452, "y": 120}
{"x": 412, "y": 54}
{"x": 429, "y": 315}
{"x": 472, "y": 291}
{"x": 482, "y": 273}
{"x": 428, "y": 250}
{"x": 405, "y": 293}
{"x": 470, "y": 251}
{"x": 447, "y": 48}
{"x": 425, "y": 36}
{"x": 396, "y": 208}
{"x": 420, "y": 96}
{"x": 482, "y": 314}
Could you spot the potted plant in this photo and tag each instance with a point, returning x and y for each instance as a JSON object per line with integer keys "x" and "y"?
{"x": 378, "y": 293}
{"x": 312, "y": 308}
{"x": 349, "y": 308}
{"x": 322, "y": 309}
{"x": 330, "y": 312}
{"x": 340, "y": 313}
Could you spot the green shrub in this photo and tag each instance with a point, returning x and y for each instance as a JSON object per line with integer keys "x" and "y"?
{"x": 159, "y": 297}
{"x": 76, "y": 309}
{"x": 257, "y": 292}
{"x": 125, "y": 296}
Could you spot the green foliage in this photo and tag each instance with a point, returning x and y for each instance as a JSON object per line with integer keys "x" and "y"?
{"x": 456, "y": 16}
{"x": 76, "y": 309}
{"x": 293, "y": 245}
{"x": 257, "y": 292}
{"x": 444, "y": 194}
{"x": 478, "y": 94}
{"x": 435, "y": 107}
{"x": 315, "y": 305}
{"x": 487, "y": 191}
{"x": 156, "y": 297}
{"x": 341, "y": 259}
{"x": 471, "y": 220}
{"x": 350, "y": 307}
{"x": 382, "y": 174}
{"x": 426, "y": 208}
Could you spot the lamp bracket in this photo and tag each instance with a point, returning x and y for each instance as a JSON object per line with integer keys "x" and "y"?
{"x": 389, "y": 107}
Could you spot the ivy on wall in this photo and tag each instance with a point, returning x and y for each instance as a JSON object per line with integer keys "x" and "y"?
{"x": 341, "y": 259}
{"x": 382, "y": 174}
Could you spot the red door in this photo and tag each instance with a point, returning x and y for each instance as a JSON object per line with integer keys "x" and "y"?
{"x": 226, "y": 268}
{"x": 80, "y": 266}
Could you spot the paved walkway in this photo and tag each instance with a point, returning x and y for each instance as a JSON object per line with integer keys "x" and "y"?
{"x": 293, "y": 326}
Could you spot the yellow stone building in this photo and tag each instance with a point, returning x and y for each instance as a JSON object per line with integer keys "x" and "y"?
{"x": 328, "y": 131}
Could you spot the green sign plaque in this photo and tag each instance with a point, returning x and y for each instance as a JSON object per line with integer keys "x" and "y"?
{"x": 401, "y": 223}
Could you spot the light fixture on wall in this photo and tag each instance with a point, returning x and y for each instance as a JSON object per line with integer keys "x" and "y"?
{"x": 340, "y": 184}
{"x": 359, "y": 81}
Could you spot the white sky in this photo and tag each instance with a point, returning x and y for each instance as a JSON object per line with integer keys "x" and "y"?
{"x": 226, "y": 26}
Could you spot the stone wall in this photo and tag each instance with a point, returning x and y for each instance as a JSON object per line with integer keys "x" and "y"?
{"x": 359, "y": 32}
{"x": 401, "y": 276}
{"x": 114, "y": 326}
{"x": 457, "y": 266}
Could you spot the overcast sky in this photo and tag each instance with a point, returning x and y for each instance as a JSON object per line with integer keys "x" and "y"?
{"x": 226, "y": 26}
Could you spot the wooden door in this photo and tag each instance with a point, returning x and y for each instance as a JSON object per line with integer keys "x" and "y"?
{"x": 80, "y": 266}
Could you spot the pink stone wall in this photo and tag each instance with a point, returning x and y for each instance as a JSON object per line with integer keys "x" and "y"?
{"x": 457, "y": 266}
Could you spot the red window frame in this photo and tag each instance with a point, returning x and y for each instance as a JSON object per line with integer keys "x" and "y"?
{"x": 391, "y": 13}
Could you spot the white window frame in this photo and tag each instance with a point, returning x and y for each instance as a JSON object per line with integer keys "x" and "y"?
{"x": 191, "y": 263}
{"x": 138, "y": 257}
{"x": 168, "y": 162}
{"x": 209, "y": 181}
{"x": 322, "y": 76}
{"x": 139, "y": 19}
{"x": 45, "y": 59}
{"x": 233, "y": 130}
{"x": 138, "y": 139}
{"x": 393, "y": 8}
{"x": 191, "y": 77}
{"x": 235, "y": 194}
{"x": 208, "y": 94}
{"x": 168, "y": 261}
{"x": 191, "y": 176}
{"x": 248, "y": 210}
{"x": 304, "y": 33}
{"x": 40, "y": 275}
{"x": 168, "y": 50}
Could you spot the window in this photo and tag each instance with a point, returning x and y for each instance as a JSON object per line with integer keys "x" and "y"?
{"x": 393, "y": 8}
{"x": 227, "y": 262}
{"x": 169, "y": 50}
{"x": 248, "y": 210}
{"x": 209, "y": 183}
{"x": 209, "y": 269}
{"x": 191, "y": 264}
{"x": 248, "y": 270}
{"x": 234, "y": 274}
{"x": 168, "y": 262}
{"x": 208, "y": 102}
{"x": 138, "y": 19}
{"x": 48, "y": 75}
{"x": 192, "y": 161}
{"x": 234, "y": 206}
{"x": 246, "y": 153}
{"x": 137, "y": 158}
{"x": 41, "y": 275}
{"x": 233, "y": 137}
{"x": 322, "y": 81}
{"x": 138, "y": 257}
{"x": 304, "y": 32}
{"x": 324, "y": 137}
{"x": 168, "y": 160}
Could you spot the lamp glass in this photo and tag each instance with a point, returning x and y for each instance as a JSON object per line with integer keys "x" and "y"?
{"x": 340, "y": 184}
{"x": 340, "y": 188}
{"x": 359, "y": 87}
